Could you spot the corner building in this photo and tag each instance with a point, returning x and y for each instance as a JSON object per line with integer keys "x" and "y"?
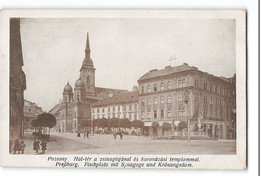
{"x": 17, "y": 83}
{"x": 161, "y": 99}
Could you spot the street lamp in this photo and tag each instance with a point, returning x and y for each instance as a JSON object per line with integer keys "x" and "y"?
{"x": 186, "y": 101}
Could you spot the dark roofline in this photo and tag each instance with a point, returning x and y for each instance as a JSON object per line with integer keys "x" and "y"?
{"x": 100, "y": 103}
{"x": 191, "y": 68}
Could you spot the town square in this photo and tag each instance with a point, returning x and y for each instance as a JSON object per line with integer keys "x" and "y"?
{"x": 99, "y": 108}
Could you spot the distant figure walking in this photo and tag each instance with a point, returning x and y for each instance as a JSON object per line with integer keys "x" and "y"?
{"x": 44, "y": 144}
{"x": 36, "y": 145}
{"x": 87, "y": 134}
{"x": 16, "y": 147}
{"x": 121, "y": 135}
{"x": 78, "y": 135}
{"x": 22, "y": 147}
{"x": 114, "y": 134}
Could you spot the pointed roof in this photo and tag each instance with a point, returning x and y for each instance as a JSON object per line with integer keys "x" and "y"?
{"x": 67, "y": 88}
{"x": 87, "y": 61}
{"x": 87, "y": 44}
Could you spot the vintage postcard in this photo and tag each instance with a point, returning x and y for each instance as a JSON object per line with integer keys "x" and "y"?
{"x": 161, "y": 89}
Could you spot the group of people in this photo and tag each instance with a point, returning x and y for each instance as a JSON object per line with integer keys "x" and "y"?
{"x": 19, "y": 147}
{"x": 85, "y": 134}
{"x": 120, "y": 133}
{"x": 37, "y": 144}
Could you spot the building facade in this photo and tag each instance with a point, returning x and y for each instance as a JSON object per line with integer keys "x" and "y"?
{"x": 17, "y": 82}
{"x": 123, "y": 105}
{"x": 74, "y": 111}
{"x": 31, "y": 111}
{"x": 162, "y": 96}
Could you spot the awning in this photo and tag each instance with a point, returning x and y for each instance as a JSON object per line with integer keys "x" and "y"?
{"x": 148, "y": 124}
{"x": 176, "y": 123}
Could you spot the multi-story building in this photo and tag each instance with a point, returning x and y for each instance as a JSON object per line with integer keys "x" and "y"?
{"x": 162, "y": 96}
{"x": 123, "y": 105}
{"x": 31, "y": 111}
{"x": 17, "y": 82}
{"x": 74, "y": 111}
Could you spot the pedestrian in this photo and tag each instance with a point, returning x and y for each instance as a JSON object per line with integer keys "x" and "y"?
{"x": 87, "y": 133}
{"x": 16, "y": 147}
{"x": 36, "y": 145}
{"x": 78, "y": 134}
{"x": 44, "y": 144}
{"x": 22, "y": 147}
{"x": 138, "y": 134}
{"x": 114, "y": 134}
{"x": 121, "y": 135}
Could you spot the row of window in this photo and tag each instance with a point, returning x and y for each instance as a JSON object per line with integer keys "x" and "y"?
{"x": 155, "y": 100}
{"x": 156, "y": 115}
{"x": 181, "y": 99}
{"x": 130, "y": 107}
{"x": 162, "y": 86}
{"x": 118, "y": 116}
{"x": 212, "y": 88}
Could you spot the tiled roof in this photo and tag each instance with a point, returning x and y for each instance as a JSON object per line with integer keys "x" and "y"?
{"x": 120, "y": 98}
{"x": 104, "y": 92}
{"x": 55, "y": 109}
{"x": 170, "y": 70}
{"x": 167, "y": 71}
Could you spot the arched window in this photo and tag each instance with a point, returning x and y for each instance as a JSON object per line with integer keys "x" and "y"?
{"x": 148, "y": 101}
{"x": 148, "y": 88}
{"x": 162, "y": 100}
{"x": 155, "y": 87}
{"x": 181, "y": 111}
{"x": 179, "y": 83}
{"x": 88, "y": 80}
{"x": 169, "y": 99}
{"x": 180, "y": 98}
{"x": 142, "y": 114}
{"x": 169, "y": 113}
{"x": 142, "y": 89}
{"x": 169, "y": 85}
{"x": 183, "y": 83}
{"x": 155, "y": 100}
{"x": 162, "y": 86}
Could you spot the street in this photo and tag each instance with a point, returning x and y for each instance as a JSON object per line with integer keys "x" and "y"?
{"x": 69, "y": 143}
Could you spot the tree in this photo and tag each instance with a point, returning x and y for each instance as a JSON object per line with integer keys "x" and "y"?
{"x": 155, "y": 124}
{"x": 95, "y": 122}
{"x": 182, "y": 125}
{"x": 103, "y": 123}
{"x": 35, "y": 124}
{"x": 124, "y": 123}
{"x": 137, "y": 124}
{"x": 113, "y": 122}
{"x": 86, "y": 123}
{"x": 46, "y": 120}
{"x": 166, "y": 126}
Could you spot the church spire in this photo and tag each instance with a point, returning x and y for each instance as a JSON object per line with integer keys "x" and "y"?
{"x": 87, "y": 50}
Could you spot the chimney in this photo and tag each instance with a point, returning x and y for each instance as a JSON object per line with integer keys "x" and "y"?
{"x": 111, "y": 94}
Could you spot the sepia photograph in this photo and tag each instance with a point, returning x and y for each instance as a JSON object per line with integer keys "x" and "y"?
{"x": 122, "y": 85}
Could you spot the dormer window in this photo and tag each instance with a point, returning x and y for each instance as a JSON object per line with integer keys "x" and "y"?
{"x": 148, "y": 88}
{"x": 162, "y": 86}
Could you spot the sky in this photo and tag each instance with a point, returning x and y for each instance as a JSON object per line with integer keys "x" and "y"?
{"x": 122, "y": 51}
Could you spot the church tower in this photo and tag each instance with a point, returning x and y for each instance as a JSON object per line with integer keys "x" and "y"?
{"x": 87, "y": 72}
